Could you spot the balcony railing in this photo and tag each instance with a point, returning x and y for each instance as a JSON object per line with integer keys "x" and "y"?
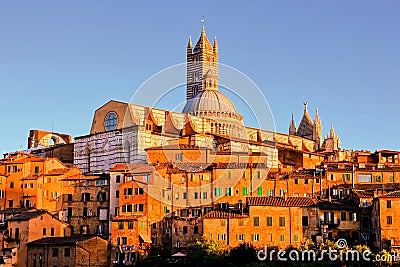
{"x": 331, "y": 222}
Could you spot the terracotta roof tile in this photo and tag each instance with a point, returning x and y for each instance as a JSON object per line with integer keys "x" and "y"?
{"x": 59, "y": 171}
{"x": 176, "y": 147}
{"x": 337, "y": 205}
{"x": 280, "y": 201}
{"x": 125, "y": 218}
{"x": 394, "y": 194}
{"x": 187, "y": 167}
{"x": 133, "y": 168}
{"x": 27, "y": 215}
{"x": 60, "y": 240}
{"x": 223, "y": 214}
{"x": 363, "y": 193}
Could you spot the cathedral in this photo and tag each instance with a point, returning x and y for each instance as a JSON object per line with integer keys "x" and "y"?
{"x": 121, "y": 132}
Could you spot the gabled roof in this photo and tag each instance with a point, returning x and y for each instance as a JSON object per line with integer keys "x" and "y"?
{"x": 281, "y": 201}
{"x": 216, "y": 214}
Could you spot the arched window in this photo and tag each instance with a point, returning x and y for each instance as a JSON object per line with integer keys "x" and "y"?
{"x": 111, "y": 121}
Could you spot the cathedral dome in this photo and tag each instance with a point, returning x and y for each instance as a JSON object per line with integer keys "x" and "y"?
{"x": 209, "y": 101}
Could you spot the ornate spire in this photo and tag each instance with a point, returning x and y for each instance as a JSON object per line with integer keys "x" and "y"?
{"x": 317, "y": 131}
{"x": 332, "y": 132}
{"x": 306, "y": 125}
{"x": 215, "y": 47}
{"x": 292, "y": 127}
{"x": 203, "y": 42}
{"x": 190, "y": 43}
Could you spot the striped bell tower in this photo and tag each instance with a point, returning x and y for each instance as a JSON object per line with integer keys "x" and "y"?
{"x": 202, "y": 66}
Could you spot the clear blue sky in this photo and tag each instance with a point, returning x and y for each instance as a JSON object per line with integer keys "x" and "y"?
{"x": 61, "y": 60}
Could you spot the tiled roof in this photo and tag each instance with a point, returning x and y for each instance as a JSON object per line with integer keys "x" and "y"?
{"x": 27, "y": 215}
{"x": 125, "y": 218}
{"x": 280, "y": 201}
{"x": 59, "y": 171}
{"x": 394, "y": 194}
{"x": 363, "y": 193}
{"x": 187, "y": 167}
{"x": 222, "y": 214}
{"x": 133, "y": 168}
{"x": 175, "y": 147}
{"x": 337, "y": 205}
{"x": 30, "y": 177}
{"x": 81, "y": 177}
{"x": 60, "y": 240}
{"x": 15, "y": 210}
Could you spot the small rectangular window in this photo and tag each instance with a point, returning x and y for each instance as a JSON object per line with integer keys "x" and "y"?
{"x": 343, "y": 216}
{"x": 67, "y": 252}
{"x": 55, "y": 252}
{"x": 269, "y": 221}
{"x": 389, "y": 219}
{"x": 130, "y": 225}
{"x": 282, "y": 238}
{"x": 256, "y": 221}
{"x": 255, "y": 237}
{"x": 304, "y": 220}
{"x": 281, "y": 221}
{"x": 389, "y": 204}
{"x": 120, "y": 225}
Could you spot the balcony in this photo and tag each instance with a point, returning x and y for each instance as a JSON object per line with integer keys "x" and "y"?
{"x": 329, "y": 223}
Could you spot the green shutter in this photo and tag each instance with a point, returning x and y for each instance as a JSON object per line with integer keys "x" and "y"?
{"x": 259, "y": 191}
{"x": 244, "y": 191}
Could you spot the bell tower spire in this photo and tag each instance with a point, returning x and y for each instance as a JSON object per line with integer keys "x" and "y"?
{"x": 202, "y": 66}
{"x": 317, "y": 131}
{"x": 292, "y": 127}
